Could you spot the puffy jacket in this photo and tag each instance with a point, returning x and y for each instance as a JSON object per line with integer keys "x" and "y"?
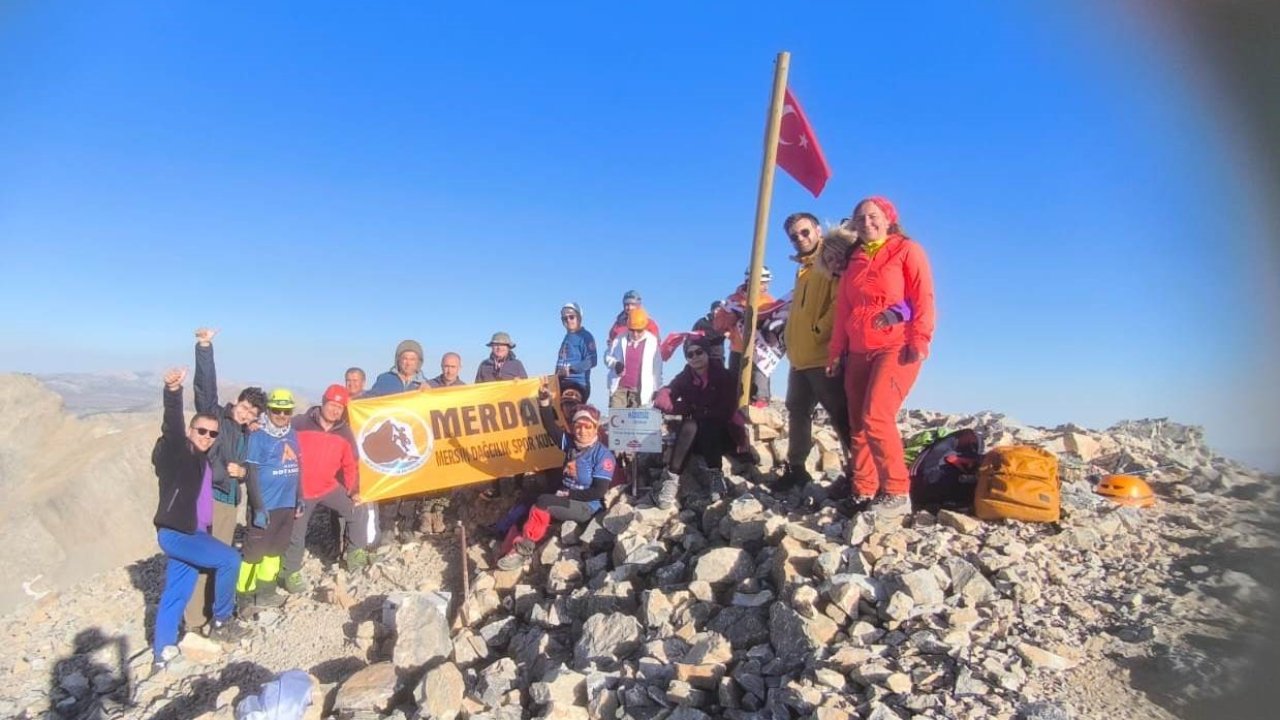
{"x": 812, "y": 311}
{"x": 899, "y": 272}
{"x": 327, "y": 454}
{"x": 179, "y": 468}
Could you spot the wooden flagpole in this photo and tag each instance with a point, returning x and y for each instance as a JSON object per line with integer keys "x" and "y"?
{"x": 763, "y": 197}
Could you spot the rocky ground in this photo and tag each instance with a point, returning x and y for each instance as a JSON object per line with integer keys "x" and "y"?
{"x": 746, "y": 608}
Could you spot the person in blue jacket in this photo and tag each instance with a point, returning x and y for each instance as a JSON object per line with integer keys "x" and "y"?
{"x": 275, "y": 499}
{"x": 578, "y": 353}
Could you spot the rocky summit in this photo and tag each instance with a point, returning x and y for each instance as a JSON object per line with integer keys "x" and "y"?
{"x": 761, "y": 605}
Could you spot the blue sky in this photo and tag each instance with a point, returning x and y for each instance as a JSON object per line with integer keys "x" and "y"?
{"x": 322, "y": 181}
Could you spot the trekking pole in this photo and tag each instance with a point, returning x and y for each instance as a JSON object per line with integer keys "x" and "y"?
{"x": 462, "y": 548}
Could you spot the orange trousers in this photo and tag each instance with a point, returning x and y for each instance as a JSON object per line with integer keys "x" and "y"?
{"x": 875, "y": 384}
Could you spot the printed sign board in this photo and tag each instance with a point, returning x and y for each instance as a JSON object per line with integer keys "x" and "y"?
{"x": 636, "y": 430}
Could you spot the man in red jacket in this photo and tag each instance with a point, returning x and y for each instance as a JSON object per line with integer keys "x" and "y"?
{"x": 329, "y": 478}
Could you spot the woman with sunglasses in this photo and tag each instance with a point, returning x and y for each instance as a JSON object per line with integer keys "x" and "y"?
{"x": 880, "y": 338}
{"x": 704, "y": 393}
{"x": 578, "y": 354}
{"x": 275, "y": 499}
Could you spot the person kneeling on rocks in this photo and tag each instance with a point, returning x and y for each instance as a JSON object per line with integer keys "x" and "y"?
{"x": 576, "y": 495}
{"x": 704, "y": 394}
{"x": 183, "y": 519}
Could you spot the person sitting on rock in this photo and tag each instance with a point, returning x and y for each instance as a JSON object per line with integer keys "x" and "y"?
{"x": 576, "y": 495}
{"x": 275, "y": 500}
{"x": 704, "y": 394}
{"x": 183, "y": 518}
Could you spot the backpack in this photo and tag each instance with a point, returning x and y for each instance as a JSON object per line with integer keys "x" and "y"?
{"x": 917, "y": 443}
{"x": 1018, "y": 482}
{"x": 944, "y": 473}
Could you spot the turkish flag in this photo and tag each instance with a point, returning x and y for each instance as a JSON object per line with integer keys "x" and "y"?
{"x": 798, "y": 150}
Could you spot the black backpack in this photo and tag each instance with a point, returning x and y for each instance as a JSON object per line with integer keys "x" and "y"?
{"x": 945, "y": 473}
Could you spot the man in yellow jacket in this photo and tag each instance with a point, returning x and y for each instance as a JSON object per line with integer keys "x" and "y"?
{"x": 813, "y": 305}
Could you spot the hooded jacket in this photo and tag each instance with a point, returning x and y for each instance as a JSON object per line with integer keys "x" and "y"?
{"x": 812, "y": 312}
{"x": 330, "y": 455}
{"x": 899, "y": 273}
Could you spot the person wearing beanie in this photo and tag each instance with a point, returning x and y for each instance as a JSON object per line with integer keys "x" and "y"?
{"x": 707, "y": 326}
{"x": 502, "y": 363}
{"x": 635, "y": 363}
{"x": 630, "y": 300}
{"x": 883, "y": 326}
{"x": 578, "y": 353}
{"x": 576, "y": 493}
{"x": 405, "y": 374}
{"x": 400, "y": 517}
{"x": 330, "y": 479}
{"x": 275, "y": 499}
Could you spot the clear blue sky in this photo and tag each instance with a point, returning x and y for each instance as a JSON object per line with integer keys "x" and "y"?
{"x": 321, "y": 182}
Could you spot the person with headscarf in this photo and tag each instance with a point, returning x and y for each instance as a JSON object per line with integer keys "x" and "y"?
{"x": 880, "y": 338}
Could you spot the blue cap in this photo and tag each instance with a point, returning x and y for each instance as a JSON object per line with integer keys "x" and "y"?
{"x": 631, "y": 295}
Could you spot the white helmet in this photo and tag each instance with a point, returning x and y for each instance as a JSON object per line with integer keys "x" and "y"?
{"x": 765, "y": 275}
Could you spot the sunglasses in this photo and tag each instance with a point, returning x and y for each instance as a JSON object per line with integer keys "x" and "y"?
{"x": 584, "y": 425}
{"x": 568, "y": 317}
{"x": 206, "y": 431}
{"x": 280, "y": 411}
{"x": 695, "y": 353}
{"x": 798, "y": 235}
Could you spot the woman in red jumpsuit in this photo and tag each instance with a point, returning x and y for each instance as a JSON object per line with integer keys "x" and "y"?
{"x": 884, "y": 322}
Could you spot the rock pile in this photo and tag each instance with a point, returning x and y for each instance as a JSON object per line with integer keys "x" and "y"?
{"x": 753, "y": 608}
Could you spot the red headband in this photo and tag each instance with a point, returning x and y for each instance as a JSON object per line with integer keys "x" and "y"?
{"x": 886, "y": 207}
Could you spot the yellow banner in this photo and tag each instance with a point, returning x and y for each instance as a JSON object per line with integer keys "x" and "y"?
{"x": 423, "y": 441}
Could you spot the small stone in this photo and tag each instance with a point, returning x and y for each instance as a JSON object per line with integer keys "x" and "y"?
{"x": 723, "y": 565}
{"x": 370, "y": 688}
{"x": 1040, "y": 658}
{"x": 961, "y": 523}
{"x": 899, "y": 683}
{"x": 607, "y": 640}
{"x": 199, "y": 649}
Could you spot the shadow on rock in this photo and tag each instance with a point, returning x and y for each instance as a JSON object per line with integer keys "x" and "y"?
{"x": 93, "y": 678}
{"x": 147, "y": 576}
{"x": 200, "y": 694}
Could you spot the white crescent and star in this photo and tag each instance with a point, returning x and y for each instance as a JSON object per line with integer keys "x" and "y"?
{"x": 802, "y": 140}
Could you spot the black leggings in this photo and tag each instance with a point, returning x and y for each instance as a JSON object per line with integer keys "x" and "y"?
{"x": 541, "y": 493}
{"x": 707, "y": 438}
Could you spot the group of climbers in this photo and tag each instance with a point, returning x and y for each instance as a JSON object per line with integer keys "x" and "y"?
{"x": 855, "y": 328}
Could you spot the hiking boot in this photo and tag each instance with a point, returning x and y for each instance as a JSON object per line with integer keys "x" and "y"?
{"x": 357, "y": 558}
{"x": 717, "y": 485}
{"x": 519, "y": 555}
{"x": 886, "y": 505}
{"x": 293, "y": 583}
{"x": 667, "y": 491}
{"x": 266, "y": 596}
{"x": 794, "y": 476}
{"x": 230, "y": 631}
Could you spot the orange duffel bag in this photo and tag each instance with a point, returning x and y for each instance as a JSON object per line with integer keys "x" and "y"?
{"x": 1018, "y": 482}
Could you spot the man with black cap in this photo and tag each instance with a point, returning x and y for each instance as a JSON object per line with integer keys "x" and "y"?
{"x": 501, "y": 363}
{"x": 715, "y": 338}
{"x": 630, "y": 300}
{"x": 330, "y": 477}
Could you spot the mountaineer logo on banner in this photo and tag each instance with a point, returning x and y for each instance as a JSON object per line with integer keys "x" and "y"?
{"x": 424, "y": 441}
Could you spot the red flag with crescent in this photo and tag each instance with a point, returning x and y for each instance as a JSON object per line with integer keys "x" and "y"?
{"x": 798, "y": 150}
